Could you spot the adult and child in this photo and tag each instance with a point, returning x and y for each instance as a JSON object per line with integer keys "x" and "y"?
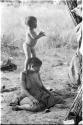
{"x": 30, "y": 78}
{"x": 32, "y": 84}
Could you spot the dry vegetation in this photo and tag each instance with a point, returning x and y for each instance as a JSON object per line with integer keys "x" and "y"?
{"x": 55, "y": 50}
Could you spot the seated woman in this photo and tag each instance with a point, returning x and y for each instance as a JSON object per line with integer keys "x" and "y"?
{"x": 32, "y": 84}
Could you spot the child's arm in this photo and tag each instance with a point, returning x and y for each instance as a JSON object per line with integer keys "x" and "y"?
{"x": 41, "y": 34}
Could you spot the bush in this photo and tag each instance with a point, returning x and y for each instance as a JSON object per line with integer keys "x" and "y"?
{"x": 7, "y": 45}
{"x": 57, "y": 40}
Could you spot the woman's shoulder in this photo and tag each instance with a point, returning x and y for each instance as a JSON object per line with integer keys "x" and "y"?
{"x": 28, "y": 72}
{"x": 31, "y": 72}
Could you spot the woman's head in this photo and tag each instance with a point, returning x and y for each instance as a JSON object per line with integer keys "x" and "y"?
{"x": 35, "y": 63}
{"x": 31, "y": 21}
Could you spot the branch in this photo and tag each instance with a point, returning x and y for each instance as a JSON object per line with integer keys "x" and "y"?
{"x": 73, "y": 19}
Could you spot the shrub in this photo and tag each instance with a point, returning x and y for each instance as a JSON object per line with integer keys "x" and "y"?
{"x": 7, "y": 45}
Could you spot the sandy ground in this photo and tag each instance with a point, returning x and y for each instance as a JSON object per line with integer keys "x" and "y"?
{"x": 54, "y": 74}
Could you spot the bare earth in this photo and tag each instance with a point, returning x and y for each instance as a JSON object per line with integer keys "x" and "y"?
{"x": 54, "y": 75}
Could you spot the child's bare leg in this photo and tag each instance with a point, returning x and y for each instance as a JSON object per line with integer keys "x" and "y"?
{"x": 33, "y": 52}
{"x": 26, "y": 64}
{"x": 27, "y": 51}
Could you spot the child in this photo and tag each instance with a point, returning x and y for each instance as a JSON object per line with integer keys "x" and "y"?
{"x": 32, "y": 84}
{"x": 31, "y": 39}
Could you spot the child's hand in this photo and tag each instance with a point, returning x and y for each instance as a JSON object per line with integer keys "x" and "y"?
{"x": 41, "y": 34}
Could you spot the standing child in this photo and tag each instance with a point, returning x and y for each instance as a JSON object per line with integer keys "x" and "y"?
{"x": 31, "y": 39}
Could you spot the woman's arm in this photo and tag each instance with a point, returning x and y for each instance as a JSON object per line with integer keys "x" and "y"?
{"x": 46, "y": 90}
{"x": 23, "y": 80}
{"x": 43, "y": 87}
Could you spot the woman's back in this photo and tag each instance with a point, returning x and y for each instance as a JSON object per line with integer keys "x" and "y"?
{"x": 34, "y": 85}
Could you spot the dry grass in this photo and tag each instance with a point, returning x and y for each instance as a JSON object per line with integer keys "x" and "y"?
{"x": 53, "y": 20}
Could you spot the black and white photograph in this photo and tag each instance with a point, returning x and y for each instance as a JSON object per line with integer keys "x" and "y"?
{"x": 41, "y": 62}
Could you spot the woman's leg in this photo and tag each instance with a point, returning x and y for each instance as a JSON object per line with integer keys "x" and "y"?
{"x": 34, "y": 108}
{"x": 17, "y": 99}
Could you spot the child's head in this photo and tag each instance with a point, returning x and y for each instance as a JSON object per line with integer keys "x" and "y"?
{"x": 31, "y": 21}
{"x": 35, "y": 63}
